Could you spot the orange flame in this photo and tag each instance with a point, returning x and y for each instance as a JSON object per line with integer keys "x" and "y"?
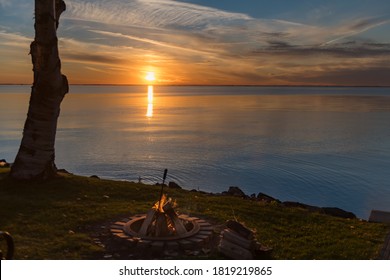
{"x": 164, "y": 200}
{"x": 160, "y": 203}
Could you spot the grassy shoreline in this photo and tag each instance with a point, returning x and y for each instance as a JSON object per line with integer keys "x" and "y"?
{"x": 66, "y": 217}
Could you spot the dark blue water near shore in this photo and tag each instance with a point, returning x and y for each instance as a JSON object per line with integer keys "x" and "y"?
{"x": 321, "y": 146}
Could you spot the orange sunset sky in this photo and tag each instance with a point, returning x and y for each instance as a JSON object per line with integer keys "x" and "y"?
{"x": 208, "y": 42}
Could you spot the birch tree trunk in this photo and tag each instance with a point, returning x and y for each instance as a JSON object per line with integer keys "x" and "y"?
{"x": 35, "y": 158}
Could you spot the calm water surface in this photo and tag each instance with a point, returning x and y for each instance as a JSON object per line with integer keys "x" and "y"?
{"x": 321, "y": 146}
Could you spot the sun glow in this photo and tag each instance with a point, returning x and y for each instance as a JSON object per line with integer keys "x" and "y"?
{"x": 150, "y": 76}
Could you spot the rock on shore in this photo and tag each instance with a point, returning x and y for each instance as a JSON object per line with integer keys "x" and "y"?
{"x": 332, "y": 211}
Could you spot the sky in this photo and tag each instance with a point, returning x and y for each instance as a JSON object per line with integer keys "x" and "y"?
{"x": 215, "y": 42}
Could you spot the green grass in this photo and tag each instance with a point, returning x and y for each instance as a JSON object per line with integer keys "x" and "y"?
{"x": 58, "y": 219}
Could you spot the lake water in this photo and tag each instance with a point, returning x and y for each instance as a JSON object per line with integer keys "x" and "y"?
{"x": 321, "y": 146}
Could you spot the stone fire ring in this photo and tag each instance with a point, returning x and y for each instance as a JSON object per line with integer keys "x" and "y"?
{"x": 196, "y": 238}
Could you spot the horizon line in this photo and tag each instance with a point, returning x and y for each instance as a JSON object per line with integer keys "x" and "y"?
{"x": 205, "y": 85}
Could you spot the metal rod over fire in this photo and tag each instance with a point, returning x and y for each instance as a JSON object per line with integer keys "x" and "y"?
{"x": 162, "y": 220}
{"x": 162, "y": 189}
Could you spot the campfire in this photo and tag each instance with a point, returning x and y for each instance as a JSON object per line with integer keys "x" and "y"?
{"x": 162, "y": 228}
{"x": 163, "y": 231}
{"x": 162, "y": 220}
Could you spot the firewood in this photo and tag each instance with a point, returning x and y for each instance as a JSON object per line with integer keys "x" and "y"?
{"x": 234, "y": 251}
{"x": 237, "y": 239}
{"x": 177, "y": 222}
{"x": 148, "y": 220}
{"x": 161, "y": 225}
{"x": 240, "y": 229}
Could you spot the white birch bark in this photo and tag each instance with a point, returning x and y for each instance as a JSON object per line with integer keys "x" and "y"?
{"x": 35, "y": 158}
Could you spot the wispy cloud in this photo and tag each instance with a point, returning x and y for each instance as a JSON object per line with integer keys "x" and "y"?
{"x": 15, "y": 61}
{"x": 79, "y": 51}
{"x": 191, "y": 43}
{"x": 215, "y": 26}
{"x": 162, "y": 13}
{"x": 97, "y": 69}
{"x": 13, "y": 39}
{"x": 358, "y": 26}
{"x": 150, "y": 41}
{"x": 348, "y": 49}
{"x": 226, "y": 44}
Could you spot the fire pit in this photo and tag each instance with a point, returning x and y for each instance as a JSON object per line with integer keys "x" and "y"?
{"x": 197, "y": 236}
{"x": 161, "y": 228}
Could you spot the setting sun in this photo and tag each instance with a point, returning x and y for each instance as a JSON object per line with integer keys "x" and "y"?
{"x": 150, "y": 76}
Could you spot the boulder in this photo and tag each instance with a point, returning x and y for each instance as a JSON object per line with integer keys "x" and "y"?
{"x": 63, "y": 171}
{"x": 378, "y": 216}
{"x": 266, "y": 198}
{"x": 235, "y": 191}
{"x": 337, "y": 212}
{"x": 174, "y": 185}
{"x": 302, "y": 205}
{"x": 331, "y": 211}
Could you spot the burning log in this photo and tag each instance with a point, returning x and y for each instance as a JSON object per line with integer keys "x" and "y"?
{"x": 162, "y": 220}
{"x": 148, "y": 221}
{"x": 155, "y": 223}
{"x": 162, "y": 231}
{"x": 161, "y": 225}
{"x": 153, "y": 216}
{"x": 177, "y": 223}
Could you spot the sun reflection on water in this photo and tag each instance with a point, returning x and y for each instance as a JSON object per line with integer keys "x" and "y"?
{"x": 149, "y": 111}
